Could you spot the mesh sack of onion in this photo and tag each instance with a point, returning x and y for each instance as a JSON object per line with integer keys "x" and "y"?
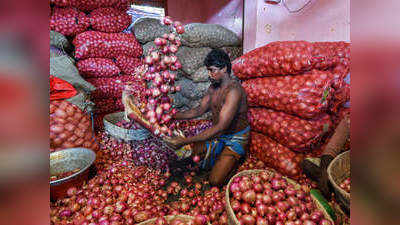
{"x": 70, "y": 127}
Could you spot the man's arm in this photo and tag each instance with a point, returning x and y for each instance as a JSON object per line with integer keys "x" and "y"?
{"x": 338, "y": 139}
{"x": 195, "y": 112}
{"x": 225, "y": 117}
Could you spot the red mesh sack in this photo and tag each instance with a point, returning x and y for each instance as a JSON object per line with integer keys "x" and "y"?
{"x": 97, "y": 67}
{"x": 70, "y": 127}
{"x": 109, "y": 20}
{"x": 85, "y": 5}
{"x": 95, "y": 44}
{"x": 112, "y": 87}
{"x": 275, "y": 155}
{"x": 98, "y": 121}
{"x": 128, "y": 64}
{"x": 305, "y": 95}
{"x": 291, "y": 131}
{"x": 289, "y": 57}
{"x": 68, "y": 21}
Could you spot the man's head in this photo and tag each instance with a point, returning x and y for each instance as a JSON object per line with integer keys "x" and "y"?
{"x": 218, "y": 65}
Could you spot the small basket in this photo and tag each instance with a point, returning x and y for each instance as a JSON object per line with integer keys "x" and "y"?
{"x": 110, "y": 127}
{"x": 184, "y": 218}
{"x": 232, "y": 220}
{"x": 338, "y": 171}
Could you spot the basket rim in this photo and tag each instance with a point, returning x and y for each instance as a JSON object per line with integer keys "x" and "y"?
{"x": 169, "y": 217}
{"x": 107, "y": 122}
{"x": 330, "y": 176}
{"x": 246, "y": 172}
{"x": 92, "y": 158}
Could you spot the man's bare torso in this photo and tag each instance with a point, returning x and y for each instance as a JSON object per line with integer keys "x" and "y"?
{"x": 218, "y": 96}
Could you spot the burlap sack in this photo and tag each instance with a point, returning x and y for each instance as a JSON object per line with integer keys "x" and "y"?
{"x": 233, "y": 52}
{"x": 201, "y": 75}
{"x": 146, "y": 47}
{"x": 192, "y": 58}
{"x": 82, "y": 101}
{"x": 191, "y": 90}
{"x": 56, "y": 52}
{"x": 60, "y": 41}
{"x": 208, "y": 35}
{"x": 64, "y": 68}
{"x": 148, "y": 29}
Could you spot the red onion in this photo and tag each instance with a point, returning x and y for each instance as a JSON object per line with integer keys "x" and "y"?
{"x": 308, "y": 222}
{"x": 248, "y": 220}
{"x": 200, "y": 220}
{"x": 325, "y": 222}
{"x": 245, "y": 208}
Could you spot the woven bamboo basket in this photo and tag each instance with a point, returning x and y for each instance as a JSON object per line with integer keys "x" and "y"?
{"x": 338, "y": 171}
{"x": 232, "y": 220}
{"x": 125, "y": 134}
{"x": 184, "y": 218}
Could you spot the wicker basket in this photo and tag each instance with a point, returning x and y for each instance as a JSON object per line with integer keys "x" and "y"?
{"x": 184, "y": 218}
{"x": 338, "y": 171}
{"x": 125, "y": 134}
{"x": 232, "y": 220}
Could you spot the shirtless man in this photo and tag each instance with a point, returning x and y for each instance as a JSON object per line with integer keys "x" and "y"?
{"x": 222, "y": 145}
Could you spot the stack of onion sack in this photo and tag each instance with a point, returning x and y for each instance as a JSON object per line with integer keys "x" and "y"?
{"x": 108, "y": 61}
{"x": 269, "y": 199}
{"x": 157, "y": 106}
{"x": 89, "y": 5}
{"x": 295, "y": 89}
{"x": 70, "y": 127}
{"x": 73, "y": 17}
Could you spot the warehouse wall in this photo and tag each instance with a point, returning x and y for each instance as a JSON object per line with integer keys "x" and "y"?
{"x": 228, "y": 13}
{"x": 321, "y": 20}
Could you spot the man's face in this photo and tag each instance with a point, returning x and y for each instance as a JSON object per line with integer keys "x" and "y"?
{"x": 215, "y": 75}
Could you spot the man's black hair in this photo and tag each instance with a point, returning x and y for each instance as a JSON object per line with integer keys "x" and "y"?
{"x": 219, "y": 59}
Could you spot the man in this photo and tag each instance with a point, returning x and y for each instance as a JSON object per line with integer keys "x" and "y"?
{"x": 332, "y": 149}
{"x": 222, "y": 145}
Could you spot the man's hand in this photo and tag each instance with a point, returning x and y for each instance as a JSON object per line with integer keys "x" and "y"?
{"x": 175, "y": 142}
{"x": 323, "y": 182}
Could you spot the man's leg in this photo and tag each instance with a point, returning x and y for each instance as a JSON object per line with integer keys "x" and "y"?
{"x": 224, "y": 166}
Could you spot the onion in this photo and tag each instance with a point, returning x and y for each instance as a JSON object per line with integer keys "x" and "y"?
{"x": 261, "y": 221}
{"x": 200, "y": 220}
{"x": 245, "y": 208}
{"x": 316, "y": 216}
{"x": 196, "y": 159}
{"x": 249, "y": 196}
{"x": 244, "y": 185}
{"x": 65, "y": 213}
{"x": 258, "y": 188}
{"x": 308, "y": 222}
{"x": 277, "y": 197}
{"x": 262, "y": 209}
{"x": 291, "y": 215}
{"x": 180, "y": 29}
{"x": 71, "y": 191}
{"x": 248, "y": 220}
{"x": 158, "y": 41}
{"x": 271, "y": 218}
{"x": 325, "y": 222}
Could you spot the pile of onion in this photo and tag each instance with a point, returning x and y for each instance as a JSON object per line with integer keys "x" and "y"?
{"x": 345, "y": 185}
{"x": 269, "y": 199}
{"x": 120, "y": 193}
{"x": 149, "y": 152}
{"x": 178, "y": 221}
